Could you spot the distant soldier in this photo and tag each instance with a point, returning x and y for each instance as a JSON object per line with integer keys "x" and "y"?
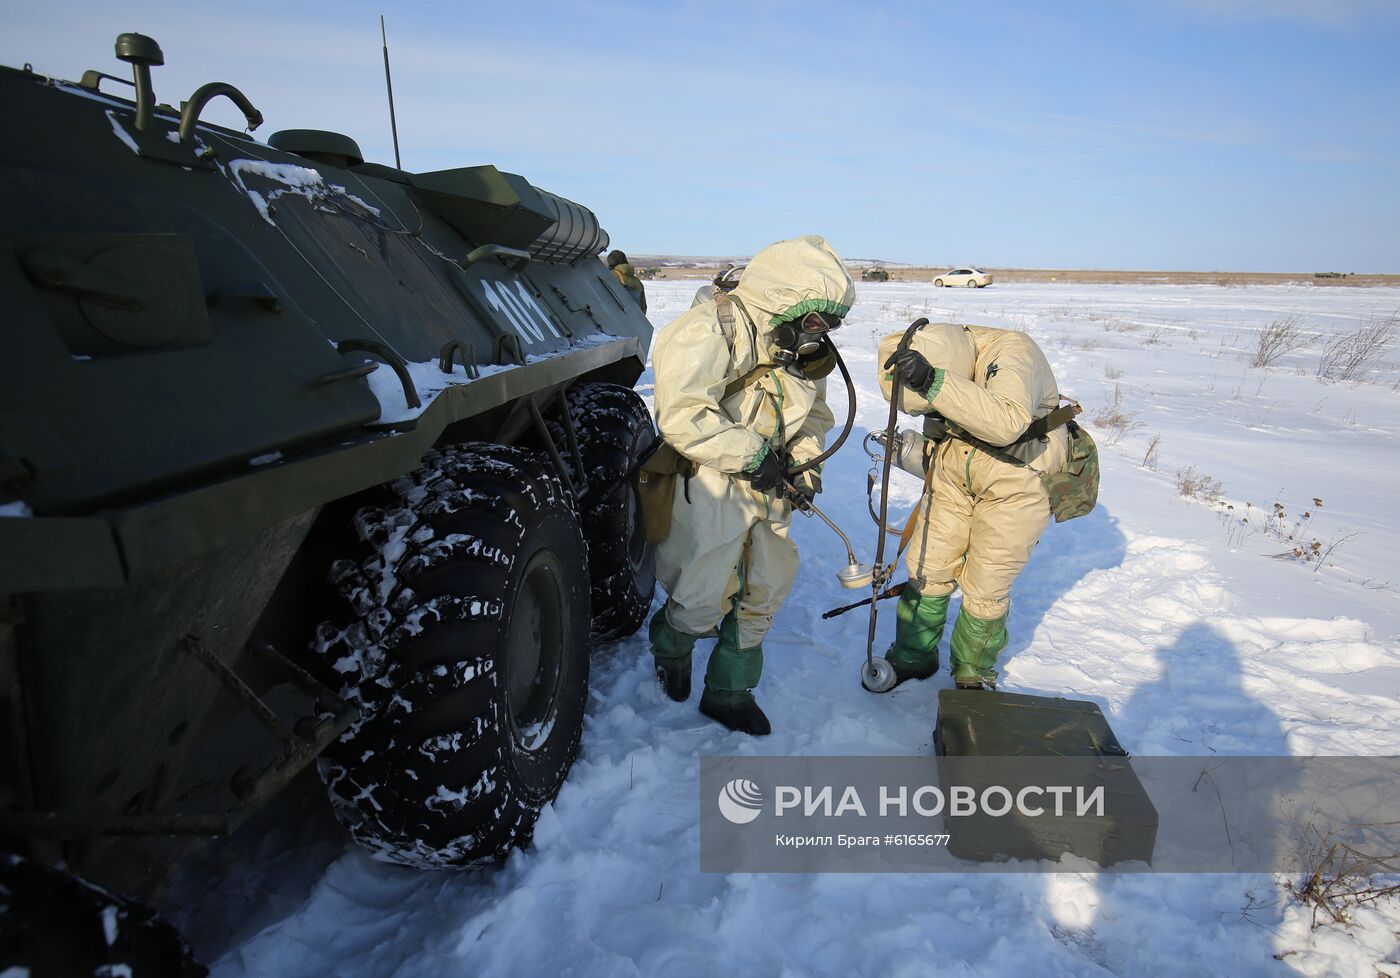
{"x": 626, "y": 276}
{"x": 991, "y": 404}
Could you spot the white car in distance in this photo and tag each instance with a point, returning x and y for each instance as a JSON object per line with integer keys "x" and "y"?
{"x": 971, "y": 277}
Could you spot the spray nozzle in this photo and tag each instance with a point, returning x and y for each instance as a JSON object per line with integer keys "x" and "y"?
{"x": 855, "y": 574}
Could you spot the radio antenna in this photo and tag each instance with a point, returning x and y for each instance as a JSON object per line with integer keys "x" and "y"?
{"x": 389, "y": 84}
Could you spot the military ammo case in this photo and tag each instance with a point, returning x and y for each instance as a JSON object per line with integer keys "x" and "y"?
{"x": 984, "y": 738}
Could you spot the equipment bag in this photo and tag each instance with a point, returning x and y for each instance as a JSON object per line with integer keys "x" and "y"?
{"x": 1074, "y": 490}
{"x": 656, "y": 489}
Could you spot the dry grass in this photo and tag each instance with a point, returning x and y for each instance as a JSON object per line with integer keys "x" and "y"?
{"x": 1149, "y": 457}
{"x": 1198, "y": 485}
{"x": 1340, "y": 879}
{"x": 1351, "y": 357}
{"x": 1115, "y": 420}
{"x": 1280, "y": 337}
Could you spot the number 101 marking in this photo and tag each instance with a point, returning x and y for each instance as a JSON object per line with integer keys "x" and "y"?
{"x": 520, "y": 309}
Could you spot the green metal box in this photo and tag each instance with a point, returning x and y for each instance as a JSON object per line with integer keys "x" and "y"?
{"x": 995, "y": 740}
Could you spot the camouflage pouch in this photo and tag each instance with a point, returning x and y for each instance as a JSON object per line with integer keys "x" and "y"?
{"x": 656, "y": 489}
{"x": 1074, "y": 490}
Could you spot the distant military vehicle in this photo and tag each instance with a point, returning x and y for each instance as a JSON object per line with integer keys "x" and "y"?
{"x": 303, "y": 459}
{"x": 875, "y": 274}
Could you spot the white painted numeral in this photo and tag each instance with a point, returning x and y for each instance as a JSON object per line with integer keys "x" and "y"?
{"x": 521, "y": 311}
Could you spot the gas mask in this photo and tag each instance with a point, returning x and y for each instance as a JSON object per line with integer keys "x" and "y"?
{"x": 801, "y": 337}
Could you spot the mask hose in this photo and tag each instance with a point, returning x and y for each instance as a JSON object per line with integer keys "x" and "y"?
{"x": 850, "y": 415}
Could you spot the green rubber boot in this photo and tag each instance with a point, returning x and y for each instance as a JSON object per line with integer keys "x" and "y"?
{"x": 733, "y": 672}
{"x": 974, "y": 648}
{"x": 729, "y": 681}
{"x": 671, "y": 648}
{"x": 919, "y": 621}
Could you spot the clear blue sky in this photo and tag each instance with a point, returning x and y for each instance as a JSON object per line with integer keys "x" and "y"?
{"x": 1192, "y": 134}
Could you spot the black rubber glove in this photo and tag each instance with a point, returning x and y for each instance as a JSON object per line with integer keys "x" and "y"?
{"x": 769, "y": 474}
{"x": 915, "y": 373}
{"x": 804, "y": 488}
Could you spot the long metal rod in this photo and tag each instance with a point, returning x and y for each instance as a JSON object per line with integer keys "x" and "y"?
{"x": 192, "y": 645}
{"x": 893, "y": 591}
{"x": 389, "y": 84}
{"x": 812, "y": 509}
{"x": 326, "y": 699}
{"x": 881, "y": 575}
{"x": 543, "y": 429}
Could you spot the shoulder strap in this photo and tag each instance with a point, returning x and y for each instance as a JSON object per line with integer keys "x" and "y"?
{"x": 925, "y": 500}
{"x": 1039, "y": 428}
{"x": 746, "y": 381}
{"x": 1057, "y": 418}
{"x": 724, "y": 306}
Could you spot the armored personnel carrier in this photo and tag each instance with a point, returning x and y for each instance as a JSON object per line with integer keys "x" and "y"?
{"x": 303, "y": 460}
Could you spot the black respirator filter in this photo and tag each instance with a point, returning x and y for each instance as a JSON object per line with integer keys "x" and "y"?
{"x": 802, "y": 337}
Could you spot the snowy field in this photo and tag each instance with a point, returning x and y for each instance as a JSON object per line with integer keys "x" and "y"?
{"x": 1197, "y": 632}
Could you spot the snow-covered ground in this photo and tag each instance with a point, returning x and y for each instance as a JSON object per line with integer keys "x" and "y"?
{"x": 1185, "y": 624}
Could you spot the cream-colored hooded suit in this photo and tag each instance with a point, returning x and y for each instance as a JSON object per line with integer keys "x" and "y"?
{"x": 726, "y": 539}
{"x": 983, "y": 515}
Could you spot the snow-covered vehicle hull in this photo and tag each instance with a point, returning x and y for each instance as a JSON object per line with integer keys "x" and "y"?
{"x": 225, "y": 362}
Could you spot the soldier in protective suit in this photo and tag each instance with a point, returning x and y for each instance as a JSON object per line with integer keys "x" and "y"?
{"x": 987, "y": 395}
{"x": 741, "y": 395}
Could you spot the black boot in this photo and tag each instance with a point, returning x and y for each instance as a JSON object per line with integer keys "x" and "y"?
{"x": 743, "y": 716}
{"x": 905, "y": 673}
{"x": 675, "y": 681}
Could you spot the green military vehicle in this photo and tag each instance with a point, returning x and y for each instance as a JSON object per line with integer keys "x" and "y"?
{"x": 874, "y": 274}
{"x": 303, "y": 459}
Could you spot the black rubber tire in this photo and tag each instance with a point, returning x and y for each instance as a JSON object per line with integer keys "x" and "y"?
{"x": 938, "y": 282}
{"x": 614, "y": 428}
{"x": 972, "y": 283}
{"x": 55, "y": 924}
{"x": 477, "y": 564}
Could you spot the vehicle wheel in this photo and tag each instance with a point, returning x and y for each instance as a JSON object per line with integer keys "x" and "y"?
{"x": 54, "y": 923}
{"x": 467, "y": 655}
{"x": 972, "y": 283}
{"x": 938, "y": 282}
{"x": 614, "y": 428}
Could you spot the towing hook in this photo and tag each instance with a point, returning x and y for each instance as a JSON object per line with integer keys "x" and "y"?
{"x": 189, "y": 111}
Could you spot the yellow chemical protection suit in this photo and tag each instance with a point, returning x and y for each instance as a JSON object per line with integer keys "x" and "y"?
{"x": 728, "y": 558}
{"x": 981, "y": 515}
